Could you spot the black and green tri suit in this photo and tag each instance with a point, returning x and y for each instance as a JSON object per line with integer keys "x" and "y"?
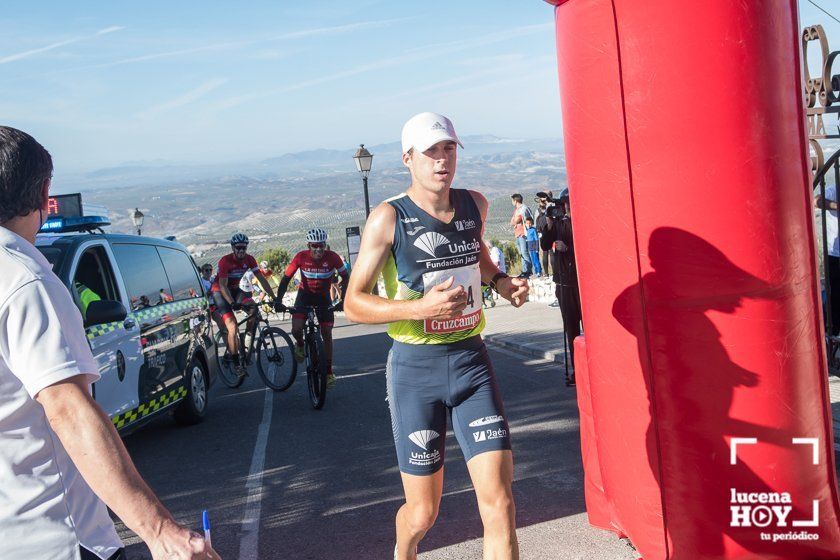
{"x": 440, "y": 367}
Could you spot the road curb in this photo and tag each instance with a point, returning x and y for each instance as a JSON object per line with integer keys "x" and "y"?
{"x": 497, "y": 340}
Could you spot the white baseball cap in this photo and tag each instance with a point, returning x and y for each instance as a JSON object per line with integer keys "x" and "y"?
{"x": 424, "y": 130}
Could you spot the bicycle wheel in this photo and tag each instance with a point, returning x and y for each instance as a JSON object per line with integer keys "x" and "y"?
{"x": 227, "y": 369}
{"x": 316, "y": 373}
{"x": 276, "y": 362}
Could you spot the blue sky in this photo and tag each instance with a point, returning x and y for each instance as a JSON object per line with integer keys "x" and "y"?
{"x": 104, "y": 83}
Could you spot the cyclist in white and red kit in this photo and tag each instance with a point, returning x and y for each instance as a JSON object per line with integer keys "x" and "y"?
{"x": 318, "y": 266}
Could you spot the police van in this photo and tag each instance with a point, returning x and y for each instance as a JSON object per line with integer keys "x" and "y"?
{"x": 145, "y": 314}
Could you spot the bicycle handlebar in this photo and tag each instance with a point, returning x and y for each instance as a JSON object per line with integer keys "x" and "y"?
{"x": 304, "y": 309}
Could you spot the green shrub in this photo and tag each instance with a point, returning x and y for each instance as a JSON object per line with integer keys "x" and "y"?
{"x": 277, "y": 257}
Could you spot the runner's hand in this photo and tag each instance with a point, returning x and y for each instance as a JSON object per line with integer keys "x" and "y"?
{"x": 178, "y": 543}
{"x": 515, "y": 290}
{"x": 443, "y": 301}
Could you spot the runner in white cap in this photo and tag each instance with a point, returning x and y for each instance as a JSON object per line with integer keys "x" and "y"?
{"x": 427, "y": 244}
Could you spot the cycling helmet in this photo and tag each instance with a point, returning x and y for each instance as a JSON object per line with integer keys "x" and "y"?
{"x": 239, "y": 239}
{"x": 316, "y": 235}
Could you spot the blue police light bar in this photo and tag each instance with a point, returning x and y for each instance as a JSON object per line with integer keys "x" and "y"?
{"x": 68, "y": 225}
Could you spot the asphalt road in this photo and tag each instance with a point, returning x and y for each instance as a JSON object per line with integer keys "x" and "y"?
{"x": 281, "y": 480}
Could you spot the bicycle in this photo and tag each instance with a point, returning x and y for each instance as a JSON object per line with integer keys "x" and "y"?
{"x": 271, "y": 347}
{"x": 313, "y": 343}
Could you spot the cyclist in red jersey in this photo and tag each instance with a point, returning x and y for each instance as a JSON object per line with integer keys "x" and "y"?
{"x": 230, "y": 298}
{"x": 318, "y": 265}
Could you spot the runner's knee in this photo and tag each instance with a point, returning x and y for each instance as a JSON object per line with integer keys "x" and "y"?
{"x": 421, "y": 517}
{"x": 498, "y": 512}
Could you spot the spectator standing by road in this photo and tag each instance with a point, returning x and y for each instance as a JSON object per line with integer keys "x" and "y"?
{"x": 59, "y": 450}
{"x": 207, "y": 277}
{"x": 543, "y": 204}
{"x": 520, "y": 212}
{"x": 829, "y": 208}
{"x": 533, "y": 241}
{"x": 558, "y": 232}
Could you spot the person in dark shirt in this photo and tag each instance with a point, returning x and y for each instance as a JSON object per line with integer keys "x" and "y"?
{"x": 558, "y": 232}
{"x": 543, "y": 201}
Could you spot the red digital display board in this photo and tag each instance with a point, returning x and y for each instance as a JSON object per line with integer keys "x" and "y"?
{"x": 65, "y": 205}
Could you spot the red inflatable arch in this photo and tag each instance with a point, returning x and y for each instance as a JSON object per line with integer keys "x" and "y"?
{"x": 705, "y": 420}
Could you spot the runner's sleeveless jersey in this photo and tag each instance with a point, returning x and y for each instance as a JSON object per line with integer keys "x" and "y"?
{"x": 426, "y": 252}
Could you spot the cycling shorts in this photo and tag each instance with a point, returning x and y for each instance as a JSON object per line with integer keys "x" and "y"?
{"x": 223, "y": 307}
{"x": 428, "y": 381}
{"x": 325, "y": 318}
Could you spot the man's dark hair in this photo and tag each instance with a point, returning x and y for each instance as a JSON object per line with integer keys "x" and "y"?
{"x": 517, "y": 197}
{"x": 24, "y": 167}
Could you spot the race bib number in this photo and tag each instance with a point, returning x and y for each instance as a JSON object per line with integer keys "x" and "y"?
{"x": 470, "y": 278}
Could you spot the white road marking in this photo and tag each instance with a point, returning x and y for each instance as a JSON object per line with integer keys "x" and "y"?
{"x": 248, "y": 546}
{"x": 341, "y": 376}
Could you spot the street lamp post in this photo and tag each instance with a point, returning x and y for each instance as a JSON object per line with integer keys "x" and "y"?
{"x": 364, "y": 159}
{"x": 137, "y": 217}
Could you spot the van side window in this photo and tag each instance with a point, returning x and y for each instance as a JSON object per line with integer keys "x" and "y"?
{"x": 144, "y": 276}
{"x": 182, "y": 274}
{"x": 94, "y": 279}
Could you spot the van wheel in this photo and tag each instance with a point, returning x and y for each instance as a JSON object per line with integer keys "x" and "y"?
{"x": 192, "y": 408}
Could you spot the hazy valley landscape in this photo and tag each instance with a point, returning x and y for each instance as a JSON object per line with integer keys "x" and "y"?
{"x": 275, "y": 200}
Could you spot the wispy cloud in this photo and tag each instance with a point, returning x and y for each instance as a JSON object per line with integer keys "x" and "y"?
{"x": 59, "y": 44}
{"x": 230, "y": 45}
{"x": 413, "y": 55}
{"x": 170, "y": 54}
{"x": 337, "y": 29}
{"x": 111, "y": 29}
{"x": 514, "y": 67}
{"x": 184, "y": 99}
{"x": 488, "y": 39}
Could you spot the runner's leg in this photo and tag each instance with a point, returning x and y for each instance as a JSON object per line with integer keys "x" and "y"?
{"x": 418, "y": 514}
{"x": 492, "y": 477}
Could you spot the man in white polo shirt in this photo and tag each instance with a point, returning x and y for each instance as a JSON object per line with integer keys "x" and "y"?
{"x": 58, "y": 450}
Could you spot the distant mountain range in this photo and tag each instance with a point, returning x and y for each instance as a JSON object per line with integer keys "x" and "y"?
{"x": 276, "y": 199}
{"x": 304, "y": 164}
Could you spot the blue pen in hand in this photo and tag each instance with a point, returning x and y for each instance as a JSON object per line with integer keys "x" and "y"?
{"x": 205, "y": 521}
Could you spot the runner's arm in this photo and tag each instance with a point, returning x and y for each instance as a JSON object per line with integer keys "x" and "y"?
{"x": 96, "y": 449}
{"x": 485, "y": 263}
{"x": 512, "y": 289}
{"x": 361, "y": 306}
